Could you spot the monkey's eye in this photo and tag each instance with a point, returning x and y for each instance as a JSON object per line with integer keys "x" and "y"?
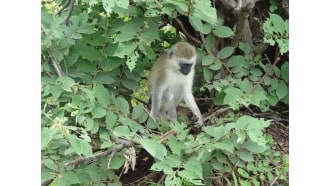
{"x": 170, "y": 53}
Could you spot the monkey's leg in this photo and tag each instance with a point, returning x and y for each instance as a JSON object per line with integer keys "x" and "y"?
{"x": 171, "y": 113}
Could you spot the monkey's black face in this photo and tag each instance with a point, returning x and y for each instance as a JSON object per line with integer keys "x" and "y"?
{"x": 185, "y": 68}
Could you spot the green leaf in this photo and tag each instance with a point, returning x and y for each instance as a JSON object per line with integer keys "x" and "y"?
{"x": 131, "y": 60}
{"x": 198, "y": 25}
{"x": 137, "y": 111}
{"x": 217, "y": 85}
{"x": 101, "y": 94}
{"x": 122, "y": 3}
{"x": 49, "y": 163}
{"x": 117, "y": 162}
{"x": 129, "y": 83}
{"x": 194, "y": 166}
{"x": 152, "y": 13}
{"x": 205, "y": 12}
{"x": 84, "y": 178}
{"x": 108, "y": 5}
{"x": 282, "y": 90}
{"x": 98, "y": 112}
{"x": 238, "y": 61}
{"x": 232, "y": 97}
{"x": 86, "y": 29}
{"x": 46, "y": 137}
{"x": 131, "y": 123}
{"x": 81, "y": 147}
{"x": 46, "y": 174}
{"x": 204, "y": 155}
{"x": 124, "y": 49}
{"x": 243, "y": 173}
{"x": 216, "y": 132}
{"x": 162, "y": 166}
{"x": 167, "y": 164}
{"x": 122, "y": 105}
{"x": 95, "y": 39}
{"x": 190, "y": 176}
{"x": 256, "y": 72}
{"x": 67, "y": 178}
{"x": 210, "y": 41}
{"x": 226, "y": 52}
{"x": 245, "y": 85}
{"x": 110, "y": 120}
{"x": 149, "y": 35}
{"x": 86, "y": 66}
{"x": 122, "y": 131}
{"x": 208, "y": 74}
{"x": 111, "y": 63}
{"x": 46, "y": 18}
{"x": 154, "y": 148}
{"x": 216, "y": 66}
{"x": 223, "y": 31}
{"x": 88, "y": 52}
{"x": 104, "y": 78}
{"x": 245, "y": 155}
{"x": 173, "y": 160}
{"x": 254, "y": 147}
{"x": 147, "y": 51}
{"x": 277, "y": 23}
{"x": 66, "y": 83}
{"x": 180, "y": 5}
{"x": 274, "y": 84}
{"x": 226, "y": 145}
{"x": 207, "y": 60}
{"x": 285, "y": 71}
{"x": 124, "y": 36}
{"x": 175, "y": 146}
{"x": 245, "y": 47}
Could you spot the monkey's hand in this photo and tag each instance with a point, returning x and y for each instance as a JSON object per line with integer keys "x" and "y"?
{"x": 199, "y": 123}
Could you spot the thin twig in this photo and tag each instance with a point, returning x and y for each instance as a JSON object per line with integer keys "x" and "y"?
{"x": 219, "y": 111}
{"x": 273, "y": 182}
{"x": 152, "y": 119}
{"x": 123, "y": 144}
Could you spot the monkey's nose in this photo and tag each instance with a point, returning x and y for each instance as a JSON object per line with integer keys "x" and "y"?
{"x": 185, "y": 68}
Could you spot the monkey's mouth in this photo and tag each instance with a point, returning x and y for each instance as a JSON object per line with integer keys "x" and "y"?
{"x": 185, "y": 68}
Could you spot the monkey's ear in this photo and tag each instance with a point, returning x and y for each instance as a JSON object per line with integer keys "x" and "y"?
{"x": 170, "y": 53}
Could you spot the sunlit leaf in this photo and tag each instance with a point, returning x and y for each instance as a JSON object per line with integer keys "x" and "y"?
{"x": 155, "y": 148}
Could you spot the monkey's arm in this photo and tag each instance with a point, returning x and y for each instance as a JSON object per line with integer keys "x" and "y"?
{"x": 156, "y": 102}
{"x": 190, "y": 101}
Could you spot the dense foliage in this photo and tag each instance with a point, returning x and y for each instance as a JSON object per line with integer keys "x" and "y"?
{"x": 94, "y": 120}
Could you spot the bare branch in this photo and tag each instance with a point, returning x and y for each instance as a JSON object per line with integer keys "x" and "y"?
{"x": 70, "y": 5}
{"x": 55, "y": 63}
{"x": 186, "y": 32}
{"x": 123, "y": 143}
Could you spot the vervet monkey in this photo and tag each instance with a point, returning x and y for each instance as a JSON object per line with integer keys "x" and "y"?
{"x": 170, "y": 81}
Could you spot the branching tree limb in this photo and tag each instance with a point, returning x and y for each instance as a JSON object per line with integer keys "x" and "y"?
{"x": 70, "y": 4}
{"x": 264, "y": 76}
